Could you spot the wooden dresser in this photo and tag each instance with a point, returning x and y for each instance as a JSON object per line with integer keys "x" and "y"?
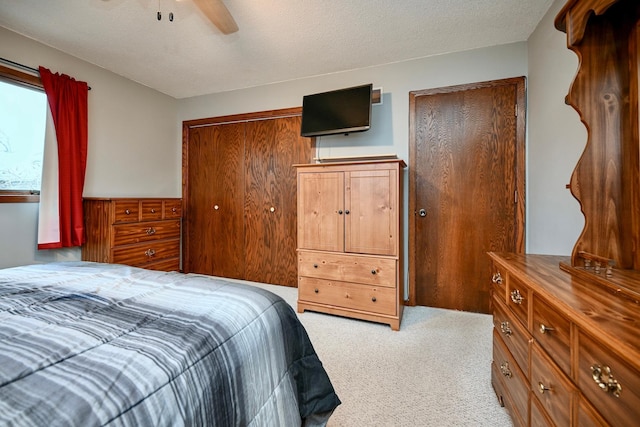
{"x": 566, "y": 351}
{"x": 141, "y": 232}
{"x": 350, "y": 239}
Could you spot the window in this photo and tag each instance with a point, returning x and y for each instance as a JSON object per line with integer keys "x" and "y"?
{"x": 23, "y": 113}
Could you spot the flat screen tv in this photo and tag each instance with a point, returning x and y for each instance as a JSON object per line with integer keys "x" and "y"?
{"x": 338, "y": 111}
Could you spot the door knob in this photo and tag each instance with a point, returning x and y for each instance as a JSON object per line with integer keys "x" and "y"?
{"x": 422, "y": 212}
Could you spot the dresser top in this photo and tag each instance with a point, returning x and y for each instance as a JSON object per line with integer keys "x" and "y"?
{"x": 602, "y": 312}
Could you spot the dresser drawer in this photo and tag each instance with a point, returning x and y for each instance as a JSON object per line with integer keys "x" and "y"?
{"x": 172, "y": 209}
{"x": 124, "y": 234}
{"x": 514, "y": 335}
{"x": 499, "y": 282}
{"x": 146, "y": 252}
{"x": 348, "y": 268}
{"x": 170, "y": 264}
{"x": 518, "y": 299}
{"x": 538, "y": 416}
{"x": 551, "y": 387}
{"x": 125, "y": 211}
{"x": 552, "y": 332}
{"x": 151, "y": 210}
{"x": 514, "y": 387}
{"x": 609, "y": 383}
{"x": 588, "y": 416}
{"x": 353, "y": 296}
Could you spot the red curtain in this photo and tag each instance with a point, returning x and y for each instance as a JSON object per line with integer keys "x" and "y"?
{"x": 68, "y": 104}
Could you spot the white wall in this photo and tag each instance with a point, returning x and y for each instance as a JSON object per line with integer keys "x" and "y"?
{"x": 133, "y": 147}
{"x": 556, "y": 140}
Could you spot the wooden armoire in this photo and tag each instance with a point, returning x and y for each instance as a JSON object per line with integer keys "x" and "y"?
{"x": 350, "y": 232}
{"x": 239, "y": 192}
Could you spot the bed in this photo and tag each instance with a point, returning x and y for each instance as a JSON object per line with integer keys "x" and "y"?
{"x": 88, "y": 344}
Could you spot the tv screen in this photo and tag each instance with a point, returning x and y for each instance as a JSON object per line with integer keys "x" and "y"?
{"x": 338, "y": 111}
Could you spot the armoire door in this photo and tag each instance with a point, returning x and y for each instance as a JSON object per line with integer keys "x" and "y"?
{"x": 466, "y": 189}
{"x": 371, "y": 214}
{"x": 215, "y": 201}
{"x": 272, "y": 147}
{"x": 321, "y": 211}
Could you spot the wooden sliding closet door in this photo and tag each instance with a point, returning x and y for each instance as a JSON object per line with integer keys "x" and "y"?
{"x": 239, "y": 191}
{"x": 272, "y": 147}
{"x": 214, "y": 201}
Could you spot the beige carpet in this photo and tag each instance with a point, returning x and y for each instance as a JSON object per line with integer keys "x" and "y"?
{"x": 435, "y": 371}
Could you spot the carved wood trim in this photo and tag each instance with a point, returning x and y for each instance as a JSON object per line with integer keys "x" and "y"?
{"x": 606, "y": 180}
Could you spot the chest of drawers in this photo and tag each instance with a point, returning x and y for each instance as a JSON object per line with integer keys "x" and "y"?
{"x": 572, "y": 346}
{"x": 141, "y": 232}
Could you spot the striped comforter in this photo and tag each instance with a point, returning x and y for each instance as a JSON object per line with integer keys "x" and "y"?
{"x": 86, "y": 344}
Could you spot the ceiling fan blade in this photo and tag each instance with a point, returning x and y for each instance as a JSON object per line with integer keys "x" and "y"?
{"x": 218, "y": 14}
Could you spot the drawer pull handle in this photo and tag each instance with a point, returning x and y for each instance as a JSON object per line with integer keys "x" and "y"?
{"x": 347, "y": 212}
{"x": 504, "y": 327}
{"x": 173, "y": 210}
{"x": 544, "y": 328}
{"x": 604, "y": 378}
{"x": 127, "y": 212}
{"x": 497, "y": 278}
{"x": 516, "y": 297}
{"x": 316, "y": 290}
{"x": 315, "y": 265}
{"x": 153, "y": 210}
{"x": 504, "y": 368}
{"x": 543, "y": 388}
{"x": 216, "y": 207}
{"x": 373, "y": 299}
{"x": 340, "y": 212}
{"x": 151, "y": 231}
{"x": 150, "y": 253}
{"x": 373, "y": 272}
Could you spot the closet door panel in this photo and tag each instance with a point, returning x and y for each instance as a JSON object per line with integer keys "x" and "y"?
{"x": 272, "y": 147}
{"x": 215, "y": 200}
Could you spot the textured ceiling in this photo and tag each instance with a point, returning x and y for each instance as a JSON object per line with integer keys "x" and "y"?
{"x": 278, "y": 40}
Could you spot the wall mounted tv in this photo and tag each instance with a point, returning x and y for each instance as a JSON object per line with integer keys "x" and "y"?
{"x": 338, "y": 111}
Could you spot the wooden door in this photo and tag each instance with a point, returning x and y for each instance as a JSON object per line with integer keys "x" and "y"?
{"x": 466, "y": 189}
{"x": 272, "y": 148}
{"x": 321, "y": 208}
{"x": 214, "y": 225}
{"x": 370, "y": 212}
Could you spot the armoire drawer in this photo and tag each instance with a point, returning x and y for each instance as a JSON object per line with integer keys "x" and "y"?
{"x": 514, "y": 335}
{"x": 551, "y": 387}
{"x": 353, "y": 296}
{"x": 608, "y": 382}
{"x": 514, "y": 385}
{"x": 124, "y": 234}
{"x": 146, "y": 252}
{"x": 552, "y": 332}
{"x": 367, "y": 270}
